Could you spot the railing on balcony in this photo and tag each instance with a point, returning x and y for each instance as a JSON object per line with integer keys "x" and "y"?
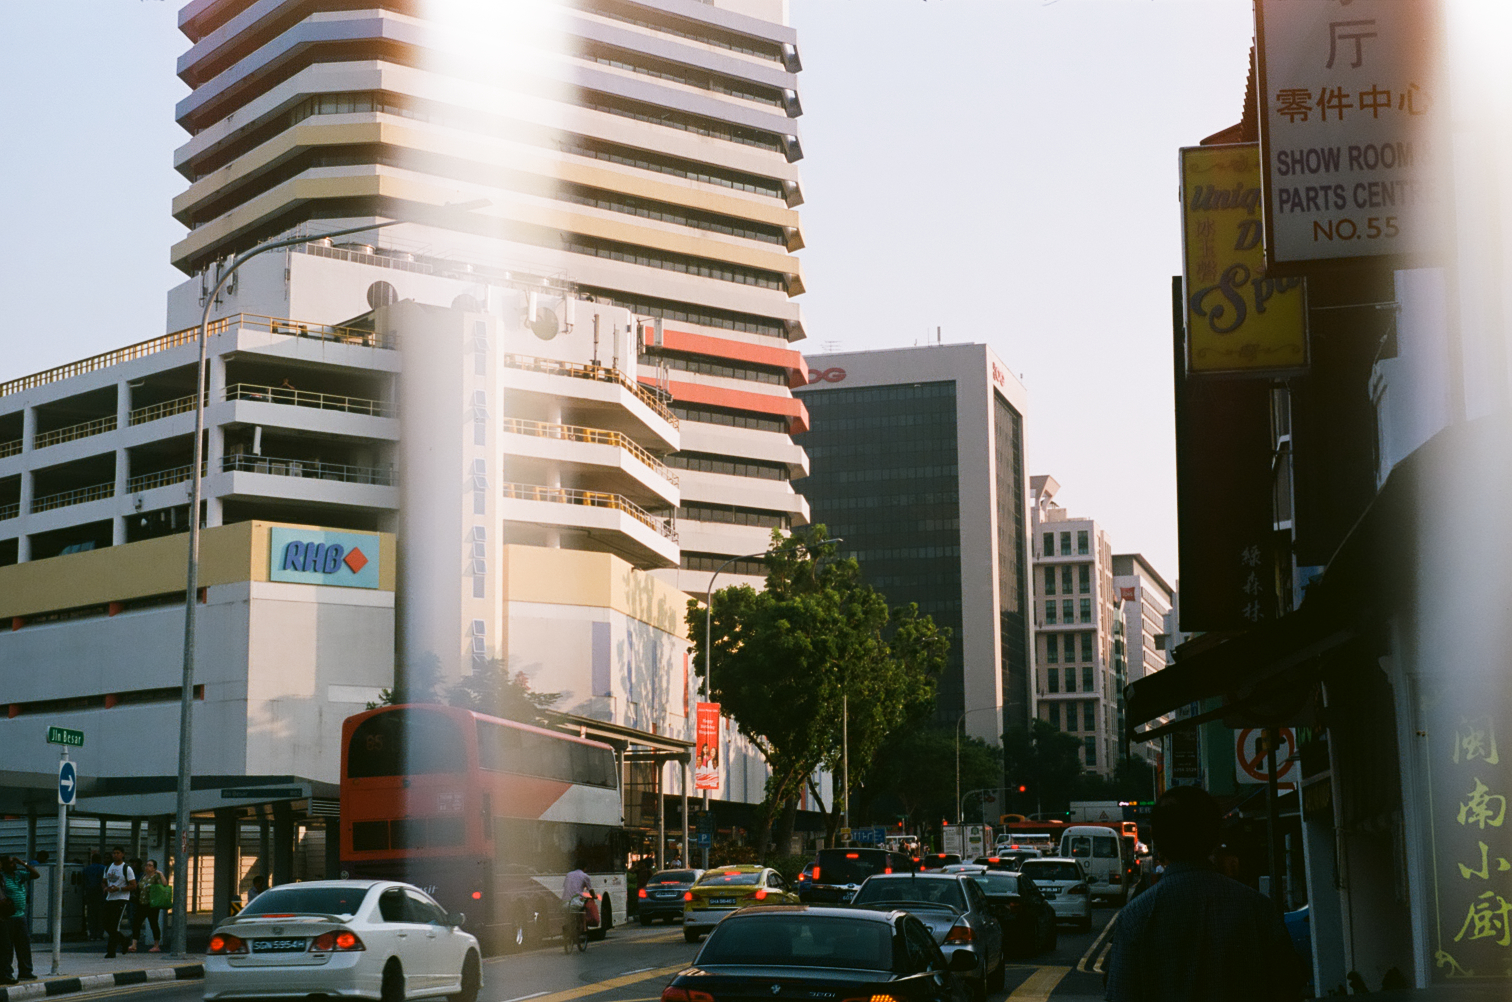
{"x": 579, "y": 370}
{"x": 83, "y": 429}
{"x": 167, "y": 408}
{"x": 597, "y": 436}
{"x": 163, "y": 478}
{"x": 78, "y": 495}
{"x": 592, "y": 499}
{"x": 310, "y": 470}
{"x": 273, "y": 325}
{"x": 306, "y": 398}
{"x": 11, "y": 448}
{"x": 10, "y": 510}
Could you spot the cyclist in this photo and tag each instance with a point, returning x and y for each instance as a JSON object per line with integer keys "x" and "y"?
{"x": 576, "y": 887}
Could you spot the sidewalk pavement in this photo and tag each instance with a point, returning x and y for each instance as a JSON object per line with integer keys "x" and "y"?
{"x": 82, "y": 967}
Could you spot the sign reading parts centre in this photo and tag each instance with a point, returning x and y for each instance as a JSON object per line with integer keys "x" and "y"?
{"x": 323, "y": 557}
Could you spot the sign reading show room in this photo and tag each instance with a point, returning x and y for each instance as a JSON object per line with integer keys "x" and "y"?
{"x": 323, "y": 557}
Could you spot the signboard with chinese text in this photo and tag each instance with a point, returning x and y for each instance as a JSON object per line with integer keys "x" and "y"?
{"x": 1472, "y": 857}
{"x": 1239, "y": 319}
{"x": 1349, "y": 98}
{"x": 706, "y": 748}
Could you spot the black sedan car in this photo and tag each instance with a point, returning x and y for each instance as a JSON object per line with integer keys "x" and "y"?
{"x": 1027, "y": 918}
{"x": 662, "y": 897}
{"x": 793, "y": 952}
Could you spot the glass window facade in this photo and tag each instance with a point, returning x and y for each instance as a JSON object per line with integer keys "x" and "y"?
{"x": 884, "y": 477}
{"x": 1013, "y": 560}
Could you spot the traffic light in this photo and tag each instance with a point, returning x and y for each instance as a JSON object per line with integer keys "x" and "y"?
{"x": 1022, "y": 788}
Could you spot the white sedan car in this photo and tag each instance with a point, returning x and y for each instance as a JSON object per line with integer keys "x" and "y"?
{"x": 371, "y": 939}
{"x": 1063, "y": 882}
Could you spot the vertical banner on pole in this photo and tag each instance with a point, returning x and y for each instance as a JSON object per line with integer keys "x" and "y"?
{"x": 706, "y": 748}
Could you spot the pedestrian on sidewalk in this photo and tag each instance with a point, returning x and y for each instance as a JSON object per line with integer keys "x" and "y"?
{"x": 1198, "y": 935}
{"x": 16, "y": 876}
{"x": 150, "y": 905}
{"x": 94, "y": 897}
{"x": 119, "y": 884}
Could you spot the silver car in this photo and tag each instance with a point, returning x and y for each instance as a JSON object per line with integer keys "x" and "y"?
{"x": 956, "y": 911}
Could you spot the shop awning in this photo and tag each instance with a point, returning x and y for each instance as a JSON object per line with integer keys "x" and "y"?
{"x": 1266, "y": 675}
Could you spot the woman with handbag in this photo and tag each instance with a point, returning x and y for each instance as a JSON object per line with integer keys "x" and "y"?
{"x": 153, "y": 895}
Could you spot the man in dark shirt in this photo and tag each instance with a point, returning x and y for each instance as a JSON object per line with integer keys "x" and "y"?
{"x": 1198, "y": 935}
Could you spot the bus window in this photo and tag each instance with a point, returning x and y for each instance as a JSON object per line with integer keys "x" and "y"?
{"x": 405, "y": 742}
{"x": 1081, "y": 847}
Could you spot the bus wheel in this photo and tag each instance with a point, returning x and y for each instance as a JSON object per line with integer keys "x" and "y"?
{"x": 606, "y": 921}
{"x": 393, "y": 982}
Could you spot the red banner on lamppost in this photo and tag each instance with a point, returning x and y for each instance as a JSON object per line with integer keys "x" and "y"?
{"x": 706, "y": 748}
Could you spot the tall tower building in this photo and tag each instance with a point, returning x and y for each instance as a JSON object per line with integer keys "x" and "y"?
{"x": 640, "y": 155}
{"x": 918, "y": 464}
{"x": 1145, "y": 602}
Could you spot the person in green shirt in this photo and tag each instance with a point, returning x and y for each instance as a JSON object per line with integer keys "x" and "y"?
{"x": 16, "y": 876}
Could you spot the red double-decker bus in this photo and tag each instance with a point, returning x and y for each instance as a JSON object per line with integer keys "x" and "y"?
{"x": 488, "y": 815}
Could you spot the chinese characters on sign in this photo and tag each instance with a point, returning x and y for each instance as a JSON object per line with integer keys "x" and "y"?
{"x": 1347, "y": 113}
{"x": 1475, "y": 878}
{"x": 1238, "y": 319}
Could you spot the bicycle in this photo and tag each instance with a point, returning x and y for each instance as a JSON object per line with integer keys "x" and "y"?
{"x": 574, "y": 926}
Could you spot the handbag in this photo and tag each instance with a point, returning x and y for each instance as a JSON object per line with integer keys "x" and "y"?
{"x": 160, "y": 896}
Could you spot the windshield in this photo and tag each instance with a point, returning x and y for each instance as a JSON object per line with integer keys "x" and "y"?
{"x": 674, "y": 877}
{"x": 730, "y": 878}
{"x": 848, "y": 867}
{"x": 1046, "y": 870}
{"x": 799, "y": 940}
{"x": 997, "y": 883}
{"x": 912, "y": 889}
{"x": 301, "y": 900}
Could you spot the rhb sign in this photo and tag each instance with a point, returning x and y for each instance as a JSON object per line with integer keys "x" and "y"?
{"x": 323, "y": 557}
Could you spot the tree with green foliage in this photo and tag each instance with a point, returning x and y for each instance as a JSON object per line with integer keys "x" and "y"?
{"x": 492, "y": 689}
{"x": 1045, "y": 760}
{"x": 914, "y": 777}
{"x": 787, "y": 660}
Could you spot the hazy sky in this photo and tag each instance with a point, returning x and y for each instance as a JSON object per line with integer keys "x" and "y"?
{"x": 1002, "y": 169}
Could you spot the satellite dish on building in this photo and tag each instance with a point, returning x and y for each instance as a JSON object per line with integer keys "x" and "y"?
{"x": 381, "y": 294}
{"x": 545, "y": 324}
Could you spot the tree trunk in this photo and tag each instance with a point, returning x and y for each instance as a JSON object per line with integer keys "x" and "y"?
{"x": 782, "y": 834}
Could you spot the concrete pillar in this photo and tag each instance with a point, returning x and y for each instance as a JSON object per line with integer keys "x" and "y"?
{"x": 28, "y": 430}
{"x": 226, "y": 868}
{"x": 264, "y": 849}
{"x": 31, "y": 835}
{"x": 104, "y": 849}
{"x": 136, "y": 838}
{"x": 283, "y": 843}
{"x": 332, "y": 848}
{"x": 215, "y": 437}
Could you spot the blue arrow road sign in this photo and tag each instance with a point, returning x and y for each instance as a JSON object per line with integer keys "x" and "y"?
{"x": 68, "y": 783}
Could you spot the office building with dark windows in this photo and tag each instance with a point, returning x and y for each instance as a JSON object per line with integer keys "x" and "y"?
{"x": 917, "y": 460}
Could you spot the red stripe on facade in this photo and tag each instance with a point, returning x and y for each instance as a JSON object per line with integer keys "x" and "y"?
{"x": 740, "y": 400}
{"x": 740, "y": 351}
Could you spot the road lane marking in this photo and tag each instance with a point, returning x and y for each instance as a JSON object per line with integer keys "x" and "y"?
{"x": 1038, "y": 986}
{"x": 637, "y": 970}
{"x": 522, "y": 998}
{"x": 1102, "y": 941}
{"x": 608, "y": 984}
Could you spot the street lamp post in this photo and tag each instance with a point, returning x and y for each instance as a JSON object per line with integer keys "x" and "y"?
{"x": 180, "y": 848}
{"x": 958, "y": 724}
{"x": 709, "y": 642}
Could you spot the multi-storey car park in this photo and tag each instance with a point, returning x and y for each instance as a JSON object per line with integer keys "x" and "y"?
{"x": 575, "y": 402}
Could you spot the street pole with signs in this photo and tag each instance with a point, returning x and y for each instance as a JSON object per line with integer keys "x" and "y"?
{"x": 68, "y": 791}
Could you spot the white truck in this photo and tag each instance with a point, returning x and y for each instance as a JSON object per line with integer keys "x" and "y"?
{"x": 1096, "y": 812}
{"x": 967, "y": 841}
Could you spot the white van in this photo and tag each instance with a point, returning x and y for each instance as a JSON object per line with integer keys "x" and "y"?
{"x": 1099, "y": 849}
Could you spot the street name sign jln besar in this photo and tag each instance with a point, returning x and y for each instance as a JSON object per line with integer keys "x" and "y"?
{"x": 64, "y": 736}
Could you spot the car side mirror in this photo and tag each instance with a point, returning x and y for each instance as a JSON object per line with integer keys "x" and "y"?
{"x": 963, "y": 962}
{"x": 456, "y": 919}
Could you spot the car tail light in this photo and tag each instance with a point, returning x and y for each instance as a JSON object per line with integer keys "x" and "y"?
{"x": 1077, "y": 889}
{"x": 477, "y": 895}
{"x": 336, "y": 941}
{"x": 853, "y": 855}
{"x": 761, "y": 894}
{"x": 872, "y": 998}
{"x": 641, "y": 893}
{"x": 1115, "y": 877}
{"x": 687, "y": 895}
{"x": 672, "y": 993}
{"x": 225, "y": 944}
{"x": 959, "y": 934}
{"x": 886, "y": 869}
{"x": 816, "y": 874}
